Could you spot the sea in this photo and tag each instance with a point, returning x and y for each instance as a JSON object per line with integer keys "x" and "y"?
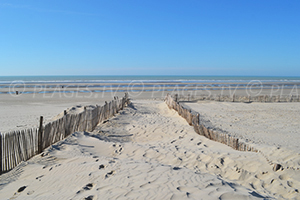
{"x": 121, "y": 79}
{"x": 154, "y": 82}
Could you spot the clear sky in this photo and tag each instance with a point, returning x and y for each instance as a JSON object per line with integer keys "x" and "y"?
{"x": 150, "y": 37}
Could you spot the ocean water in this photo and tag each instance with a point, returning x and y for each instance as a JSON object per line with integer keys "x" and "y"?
{"x": 11, "y": 84}
{"x": 122, "y": 79}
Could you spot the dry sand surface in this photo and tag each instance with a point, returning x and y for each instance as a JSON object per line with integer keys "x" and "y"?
{"x": 24, "y": 111}
{"x": 273, "y": 128}
{"x": 146, "y": 152}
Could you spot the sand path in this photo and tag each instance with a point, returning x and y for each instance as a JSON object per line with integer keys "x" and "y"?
{"x": 146, "y": 152}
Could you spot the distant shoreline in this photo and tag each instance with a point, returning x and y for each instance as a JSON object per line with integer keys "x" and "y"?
{"x": 122, "y": 79}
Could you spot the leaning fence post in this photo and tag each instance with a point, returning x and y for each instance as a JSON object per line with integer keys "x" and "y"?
{"x": 40, "y": 138}
{"x": 1, "y": 153}
{"x": 176, "y": 98}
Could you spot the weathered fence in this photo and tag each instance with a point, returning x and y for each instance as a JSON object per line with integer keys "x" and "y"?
{"x": 194, "y": 120}
{"x": 242, "y": 98}
{"x": 21, "y": 145}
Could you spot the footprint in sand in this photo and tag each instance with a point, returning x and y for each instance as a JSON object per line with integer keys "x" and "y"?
{"x": 91, "y": 197}
{"x": 184, "y": 189}
{"x": 111, "y": 161}
{"x": 102, "y": 166}
{"x": 109, "y": 174}
{"x": 39, "y": 177}
{"x": 21, "y": 189}
{"x": 30, "y": 192}
{"x": 290, "y": 183}
{"x": 176, "y": 168}
{"x": 283, "y": 177}
{"x": 88, "y": 186}
{"x": 118, "y": 151}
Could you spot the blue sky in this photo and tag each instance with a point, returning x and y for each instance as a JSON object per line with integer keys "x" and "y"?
{"x": 150, "y": 37}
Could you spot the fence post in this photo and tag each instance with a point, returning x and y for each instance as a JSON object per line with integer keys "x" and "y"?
{"x": 176, "y": 98}
{"x": 0, "y": 153}
{"x": 40, "y": 138}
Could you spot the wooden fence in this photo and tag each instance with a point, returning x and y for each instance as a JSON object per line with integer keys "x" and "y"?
{"x": 193, "y": 119}
{"x": 21, "y": 145}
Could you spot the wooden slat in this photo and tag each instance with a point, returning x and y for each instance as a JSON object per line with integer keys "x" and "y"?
{"x": 1, "y": 156}
{"x": 40, "y": 139}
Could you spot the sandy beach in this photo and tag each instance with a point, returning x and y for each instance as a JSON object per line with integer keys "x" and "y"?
{"x": 150, "y": 100}
{"x": 23, "y": 110}
{"x": 272, "y": 128}
{"x": 147, "y": 152}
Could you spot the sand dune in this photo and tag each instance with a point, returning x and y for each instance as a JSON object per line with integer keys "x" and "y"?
{"x": 146, "y": 152}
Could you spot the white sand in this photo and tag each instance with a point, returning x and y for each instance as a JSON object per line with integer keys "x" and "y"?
{"x": 24, "y": 111}
{"x": 147, "y": 152}
{"x": 268, "y": 123}
{"x": 274, "y": 128}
